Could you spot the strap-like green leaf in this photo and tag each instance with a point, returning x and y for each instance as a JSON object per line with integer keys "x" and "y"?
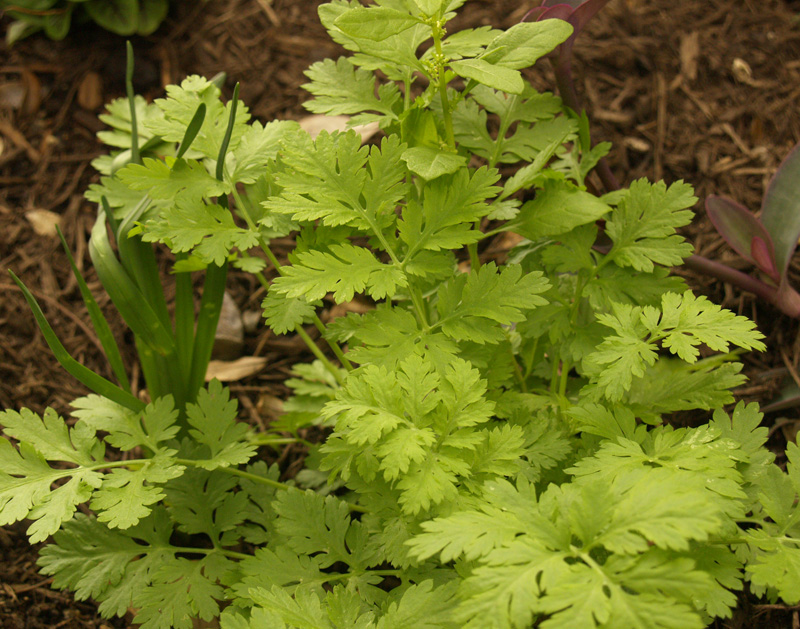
{"x": 93, "y": 381}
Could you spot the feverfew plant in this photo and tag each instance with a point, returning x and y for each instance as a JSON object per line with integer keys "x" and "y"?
{"x": 497, "y": 453}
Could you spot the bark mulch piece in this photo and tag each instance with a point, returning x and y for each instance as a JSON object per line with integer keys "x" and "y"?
{"x": 708, "y": 92}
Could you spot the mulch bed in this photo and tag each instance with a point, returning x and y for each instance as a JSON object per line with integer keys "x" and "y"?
{"x": 707, "y": 92}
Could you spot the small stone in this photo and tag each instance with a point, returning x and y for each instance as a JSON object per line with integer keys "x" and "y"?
{"x": 90, "y": 92}
{"x": 229, "y": 339}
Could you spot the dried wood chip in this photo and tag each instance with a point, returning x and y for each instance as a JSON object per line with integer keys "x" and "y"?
{"x": 230, "y": 371}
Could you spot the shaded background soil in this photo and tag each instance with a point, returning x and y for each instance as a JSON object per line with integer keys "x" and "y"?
{"x": 708, "y": 92}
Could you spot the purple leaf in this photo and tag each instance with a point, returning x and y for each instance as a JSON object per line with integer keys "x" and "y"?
{"x": 585, "y": 12}
{"x": 780, "y": 210}
{"x": 743, "y": 231}
{"x": 576, "y": 12}
{"x": 764, "y": 258}
{"x": 572, "y": 4}
{"x": 559, "y": 11}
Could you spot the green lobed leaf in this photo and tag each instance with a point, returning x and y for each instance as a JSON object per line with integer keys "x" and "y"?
{"x": 127, "y": 429}
{"x": 558, "y": 208}
{"x": 26, "y": 478}
{"x": 126, "y": 496}
{"x": 207, "y": 230}
{"x": 214, "y": 425}
{"x": 682, "y": 324}
{"x": 450, "y": 207}
{"x": 326, "y": 179}
{"x": 108, "y": 565}
{"x": 340, "y": 88}
{"x": 375, "y": 23}
{"x": 523, "y": 44}
{"x": 496, "y": 76}
{"x": 345, "y": 271}
{"x": 181, "y": 590}
{"x": 430, "y": 163}
{"x": 643, "y": 226}
{"x": 469, "y": 302}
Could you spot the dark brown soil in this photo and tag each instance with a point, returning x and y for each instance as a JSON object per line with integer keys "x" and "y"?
{"x": 708, "y": 92}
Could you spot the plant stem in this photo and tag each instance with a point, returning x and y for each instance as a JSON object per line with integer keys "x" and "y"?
{"x": 265, "y": 283}
{"x": 263, "y": 439}
{"x": 312, "y": 346}
{"x": 784, "y": 298}
{"x": 438, "y": 31}
{"x": 517, "y": 369}
{"x": 135, "y": 158}
{"x": 419, "y": 305}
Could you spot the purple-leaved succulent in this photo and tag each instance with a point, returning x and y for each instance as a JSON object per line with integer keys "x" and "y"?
{"x": 770, "y": 240}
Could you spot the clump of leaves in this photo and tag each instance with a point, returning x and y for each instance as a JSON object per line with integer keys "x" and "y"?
{"x": 54, "y": 17}
{"x": 497, "y": 453}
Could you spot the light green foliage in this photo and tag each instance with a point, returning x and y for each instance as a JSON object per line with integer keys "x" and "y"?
{"x": 341, "y": 88}
{"x": 213, "y": 425}
{"x": 207, "y": 230}
{"x": 180, "y": 106}
{"x": 327, "y": 179}
{"x": 344, "y": 271}
{"x": 495, "y": 451}
{"x": 681, "y": 324}
{"x": 559, "y": 208}
{"x": 171, "y": 178}
{"x": 643, "y": 225}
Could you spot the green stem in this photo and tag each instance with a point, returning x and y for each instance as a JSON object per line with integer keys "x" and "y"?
{"x": 233, "y": 471}
{"x": 208, "y": 551}
{"x": 517, "y": 371}
{"x": 279, "y": 268}
{"x": 438, "y": 31}
{"x": 419, "y": 305}
{"x": 554, "y": 381}
{"x": 135, "y": 157}
{"x": 562, "y": 386}
{"x": 263, "y": 439}
{"x": 300, "y": 331}
{"x": 474, "y": 260}
{"x": 505, "y": 123}
{"x": 529, "y": 363}
{"x": 332, "y": 344}
{"x": 184, "y": 320}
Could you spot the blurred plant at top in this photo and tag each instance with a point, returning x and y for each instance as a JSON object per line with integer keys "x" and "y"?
{"x": 54, "y": 17}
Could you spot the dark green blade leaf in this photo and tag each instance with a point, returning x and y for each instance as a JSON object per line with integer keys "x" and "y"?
{"x": 95, "y": 382}
{"x": 135, "y": 154}
{"x": 99, "y": 322}
{"x": 127, "y": 298}
{"x": 192, "y": 129}
{"x": 223, "y": 149}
